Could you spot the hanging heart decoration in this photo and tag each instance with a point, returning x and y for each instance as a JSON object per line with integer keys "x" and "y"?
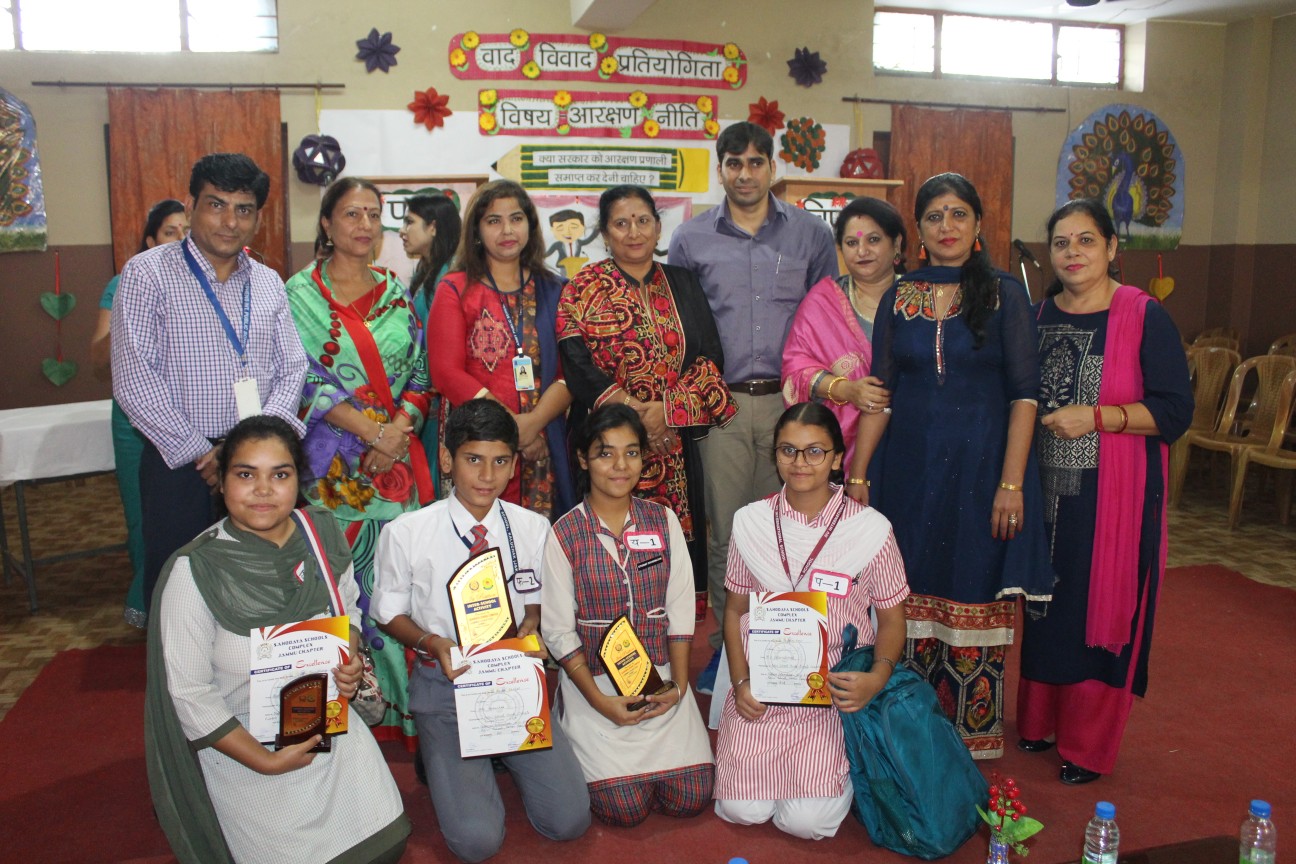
{"x": 59, "y": 372}
{"x": 57, "y": 306}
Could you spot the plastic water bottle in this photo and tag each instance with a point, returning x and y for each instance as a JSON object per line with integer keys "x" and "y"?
{"x": 1102, "y": 837}
{"x": 1259, "y": 844}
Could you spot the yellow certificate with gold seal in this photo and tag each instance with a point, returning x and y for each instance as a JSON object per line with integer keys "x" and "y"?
{"x": 627, "y": 662}
{"x": 280, "y": 654}
{"x": 787, "y": 647}
{"x": 479, "y": 601}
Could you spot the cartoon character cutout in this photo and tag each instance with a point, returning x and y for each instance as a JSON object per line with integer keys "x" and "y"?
{"x": 568, "y": 229}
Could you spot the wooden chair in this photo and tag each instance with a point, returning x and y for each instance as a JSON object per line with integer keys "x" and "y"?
{"x": 1271, "y": 455}
{"x": 1270, "y": 370}
{"x": 1216, "y": 342}
{"x": 1285, "y": 345}
{"x": 1209, "y": 369}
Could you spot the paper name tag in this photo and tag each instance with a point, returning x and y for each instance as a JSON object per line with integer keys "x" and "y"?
{"x": 836, "y": 584}
{"x": 247, "y": 399}
{"x": 644, "y": 541}
{"x": 525, "y": 581}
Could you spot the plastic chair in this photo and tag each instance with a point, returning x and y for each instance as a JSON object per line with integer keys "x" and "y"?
{"x": 1270, "y": 371}
{"x": 1285, "y": 345}
{"x": 1216, "y": 342}
{"x": 1226, "y": 332}
{"x": 1271, "y": 455}
{"x": 1209, "y": 370}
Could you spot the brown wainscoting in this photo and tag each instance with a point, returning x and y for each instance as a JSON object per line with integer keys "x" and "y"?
{"x": 28, "y": 334}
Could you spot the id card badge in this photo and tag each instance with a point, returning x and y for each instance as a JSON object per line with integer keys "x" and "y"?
{"x": 833, "y": 584}
{"x": 247, "y": 399}
{"x": 525, "y": 581}
{"x": 644, "y": 541}
{"x": 523, "y": 373}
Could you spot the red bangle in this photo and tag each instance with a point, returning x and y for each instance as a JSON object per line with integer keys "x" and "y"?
{"x": 1098, "y": 423}
{"x": 1124, "y": 418}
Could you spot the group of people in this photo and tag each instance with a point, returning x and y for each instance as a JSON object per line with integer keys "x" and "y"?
{"x": 645, "y": 439}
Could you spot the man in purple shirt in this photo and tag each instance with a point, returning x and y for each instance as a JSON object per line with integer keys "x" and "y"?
{"x": 756, "y": 257}
{"x": 201, "y": 338}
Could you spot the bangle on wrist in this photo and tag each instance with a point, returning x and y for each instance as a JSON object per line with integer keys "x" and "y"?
{"x": 831, "y": 398}
{"x": 740, "y": 682}
{"x": 382, "y": 427}
{"x": 417, "y": 649}
{"x": 572, "y": 669}
{"x": 1124, "y": 418}
{"x": 1098, "y": 421}
{"x": 858, "y": 481}
{"x": 877, "y": 660}
{"x": 1011, "y": 487}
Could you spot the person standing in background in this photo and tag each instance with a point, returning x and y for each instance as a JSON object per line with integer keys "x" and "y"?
{"x": 201, "y": 338}
{"x": 166, "y": 223}
{"x": 756, "y": 257}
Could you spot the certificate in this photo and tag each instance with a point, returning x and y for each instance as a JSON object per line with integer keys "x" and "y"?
{"x": 284, "y": 653}
{"x": 501, "y": 700}
{"x": 787, "y": 647}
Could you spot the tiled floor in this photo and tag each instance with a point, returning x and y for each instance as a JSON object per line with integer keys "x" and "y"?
{"x": 81, "y": 600}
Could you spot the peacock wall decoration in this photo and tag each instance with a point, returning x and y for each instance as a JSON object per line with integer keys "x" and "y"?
{"x": 1126, "y": 157}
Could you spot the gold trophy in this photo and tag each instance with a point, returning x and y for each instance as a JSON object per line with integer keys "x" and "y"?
{"x": 479, "y": 601}
{"x": 628, "y": 664}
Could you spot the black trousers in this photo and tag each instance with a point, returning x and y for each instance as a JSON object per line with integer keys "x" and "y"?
{"x": 176, "y": 505}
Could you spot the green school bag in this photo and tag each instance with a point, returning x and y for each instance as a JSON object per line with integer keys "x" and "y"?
{"x": 916, "y": 786}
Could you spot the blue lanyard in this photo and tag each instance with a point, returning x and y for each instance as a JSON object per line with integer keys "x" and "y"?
{"x": 508, "y": 532}
{"x": 239, "y": 344}
{"x": 515, "y": 326}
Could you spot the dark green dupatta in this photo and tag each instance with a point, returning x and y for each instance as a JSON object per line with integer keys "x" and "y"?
{"x": 246, "y": 582}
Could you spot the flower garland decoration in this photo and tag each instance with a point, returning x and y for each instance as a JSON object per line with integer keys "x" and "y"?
{"x": 710, "y": 126}
{"x": 806, "y": 67}
{"x": 430, "y": 108}
{"x": 803, "y": 143}
{"x": 377, "y": 51}
{"x": 486, "y": 120}
{"x": 1006, "y": 815}
{"x": 766, "y": 114}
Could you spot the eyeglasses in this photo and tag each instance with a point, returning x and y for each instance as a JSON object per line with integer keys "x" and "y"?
{"x": 787, "y": 454}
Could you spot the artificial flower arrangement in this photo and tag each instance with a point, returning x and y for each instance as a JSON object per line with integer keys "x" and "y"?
{"x": 1009, "y": 825}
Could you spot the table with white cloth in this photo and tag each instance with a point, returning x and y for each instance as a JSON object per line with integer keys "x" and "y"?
{"x": 44, "y": 445}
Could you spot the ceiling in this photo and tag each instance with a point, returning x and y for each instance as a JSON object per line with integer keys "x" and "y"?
{"x": 1111, "y": 11}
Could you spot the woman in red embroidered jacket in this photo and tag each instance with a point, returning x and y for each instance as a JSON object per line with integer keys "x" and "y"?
{"x": 617, "y": 554}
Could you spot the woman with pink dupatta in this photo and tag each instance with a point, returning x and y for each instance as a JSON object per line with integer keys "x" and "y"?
{"x": 829, "y": 350}
{"x": 1114, "y": 394}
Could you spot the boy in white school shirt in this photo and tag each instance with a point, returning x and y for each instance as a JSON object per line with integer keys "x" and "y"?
{"x": 417, "y": 555}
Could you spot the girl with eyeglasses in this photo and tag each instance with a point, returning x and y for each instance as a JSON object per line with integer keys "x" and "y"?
{"x": 788, "y": 762}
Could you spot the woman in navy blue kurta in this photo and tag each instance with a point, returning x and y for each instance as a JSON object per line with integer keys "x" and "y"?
{"x": 954, "y": 472}
{"x": 1072, "y": 690}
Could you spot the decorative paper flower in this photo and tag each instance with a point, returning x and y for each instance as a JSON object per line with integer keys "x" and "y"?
{"x": 562, "y": 98}
{"x": 487, "y": 123}
{"x": 638, "y": 99}
{"x": 766, "y": 114}
{"x": 318, "y": 159}
{"x": 458, "y": 59}
{"x": 731, "y": 76}
{"x": 519, "y": 39}
{"x": 712, "y": 128}
{"x": 651, "y": 128}
{"x": 705, "y": 105}
{"x": 803, "y": 143}
{"x": 470, "y": 40}
{"x": 806, "y": 67}
{"x": 531, "y": 69}
{"x": 488, "y": 97}
{"x": 377, "y": 51}
{"x": 608, "y": 67}
{"x": 564, "y": 128}
{"x": 598, "y": 42}
{"x": 430, "y": 108}
{"x": 731, "y": 51}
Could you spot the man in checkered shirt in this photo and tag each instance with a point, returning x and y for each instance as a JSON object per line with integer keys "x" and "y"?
{"x": 201, "y": 337}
